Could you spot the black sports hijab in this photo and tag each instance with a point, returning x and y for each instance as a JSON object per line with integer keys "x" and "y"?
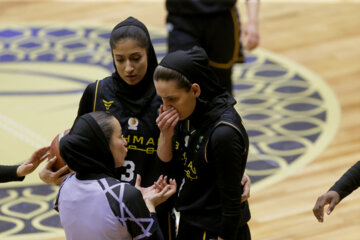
{"x": 135, "y": 98}
{"x": 86, "y": 150}
{"x": 194, "y": 65}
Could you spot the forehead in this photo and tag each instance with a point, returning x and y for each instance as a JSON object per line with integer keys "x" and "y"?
{"x": 128, "y": 44}
{"x": 167, "y": 88}
{"x": 116, "y": 125}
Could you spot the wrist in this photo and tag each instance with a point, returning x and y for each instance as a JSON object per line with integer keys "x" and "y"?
{"x": 150, "y": 206}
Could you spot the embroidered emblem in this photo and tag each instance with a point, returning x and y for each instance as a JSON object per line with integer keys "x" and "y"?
{"x": 133, "y": 123}
{"x": 107, "y": 104}
{"x": 186, "y": 140}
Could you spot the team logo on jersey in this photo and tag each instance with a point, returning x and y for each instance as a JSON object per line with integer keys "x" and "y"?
{"x": 186, "y": 140}
{"x": 133, "y": 123}
{"x": 107, "y": 104}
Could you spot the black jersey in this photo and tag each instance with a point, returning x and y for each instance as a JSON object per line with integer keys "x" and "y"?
{"x": 193, "y": 7}
{"x": 140, "y": 131}
{"x": 213, "y": 160}
{"x": 348, "y": 182}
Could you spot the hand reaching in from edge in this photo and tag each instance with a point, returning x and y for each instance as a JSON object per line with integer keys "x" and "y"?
{"x": 33, "y": 162}
{"x": 332, "y": 198}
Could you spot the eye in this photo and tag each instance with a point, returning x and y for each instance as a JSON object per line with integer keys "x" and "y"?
{"x": 119, "y": 60}
{"x": 136, "y": 58}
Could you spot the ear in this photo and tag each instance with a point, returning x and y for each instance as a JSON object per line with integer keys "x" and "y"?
{"x": 195, "y": 88}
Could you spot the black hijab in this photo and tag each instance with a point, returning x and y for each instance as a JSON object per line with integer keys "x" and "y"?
{"x": 135, "y": 98}
{"x": 194, "y": 65}
{"x": 86, "y": 150}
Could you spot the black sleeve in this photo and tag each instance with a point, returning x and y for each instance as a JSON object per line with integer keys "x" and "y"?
{"x": 86, "y": 104}
{"x": 348, "y": 182}
{"x": 227, "y": 150}
{"x": 8, "y": 174}
{"x": 140, "y": 215}
{"x": 157, "y": 235}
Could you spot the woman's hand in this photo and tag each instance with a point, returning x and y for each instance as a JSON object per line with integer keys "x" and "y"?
{"x": 33, "y": 162}
{"x": 47, "y": 175}
{"x": 332, "y": 198}
{"x": 246, "y": 183}
{"x": 167, "y": 120}
{"x": 158, "y": 193}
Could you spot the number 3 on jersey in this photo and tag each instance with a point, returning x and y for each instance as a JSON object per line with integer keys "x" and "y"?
{"x": 129, "y": 167}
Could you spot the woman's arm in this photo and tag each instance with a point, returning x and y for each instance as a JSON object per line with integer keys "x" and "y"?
{"x": 227, "y": 150}
{"x": 18, "y": 173}
{"x": 166, "y": 122}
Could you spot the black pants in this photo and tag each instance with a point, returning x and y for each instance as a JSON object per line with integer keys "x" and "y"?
{"x": 218, "y": 34}
{"x": 189, "y": 232}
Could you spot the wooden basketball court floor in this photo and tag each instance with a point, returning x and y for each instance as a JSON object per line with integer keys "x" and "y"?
{"x": 319, "y": 38}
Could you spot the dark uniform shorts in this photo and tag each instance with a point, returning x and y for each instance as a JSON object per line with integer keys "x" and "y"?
{"x": 217, "y": 33}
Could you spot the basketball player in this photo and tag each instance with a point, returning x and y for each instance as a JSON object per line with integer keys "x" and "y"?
{"x": 93, "y": 203}
{"x": 214, "y": 26}
{"x": 129, "y": 94}
{"x": 209, "y": 145}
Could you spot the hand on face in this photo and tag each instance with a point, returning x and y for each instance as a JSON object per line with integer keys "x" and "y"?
{"x": 167, "y": 120}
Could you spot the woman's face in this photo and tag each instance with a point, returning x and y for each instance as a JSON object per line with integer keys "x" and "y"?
{"x": 130, "y": 60}
{"x": 183, "y": 101}
{"x": 118, "y": 144}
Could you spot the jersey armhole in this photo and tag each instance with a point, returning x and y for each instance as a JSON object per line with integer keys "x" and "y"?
{"x": 96, "y": 90}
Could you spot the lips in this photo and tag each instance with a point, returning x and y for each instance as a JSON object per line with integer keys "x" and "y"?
{"x": 132, "y": 77}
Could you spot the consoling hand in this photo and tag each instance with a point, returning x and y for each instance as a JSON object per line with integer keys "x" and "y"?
{"x": 47, "y": 175}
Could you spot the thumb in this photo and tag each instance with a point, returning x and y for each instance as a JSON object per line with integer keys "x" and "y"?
{"x": 331, "y": 207}
{"x": 28, "y": 167}
{"x": 138, "y": 181}
{"x": 50, "y": 163}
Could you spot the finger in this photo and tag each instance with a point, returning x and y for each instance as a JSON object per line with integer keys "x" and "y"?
{"x": 50, "y": 163}
{"x": 164, "y": 191}
{"x": 44, "y": 156}
{"x": 59, "y": 180}
{"x": 331, "y": 206}
{"x": 165, "y": 120}
{"x": 319, "y": 209}
{"x": 138, "y": 181}
{"x": 43, "y": 150}
{"x": 62, "y": 170}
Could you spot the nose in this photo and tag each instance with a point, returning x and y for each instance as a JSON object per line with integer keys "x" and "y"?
{"x": 124, "y": 141}
{"x": 129, "y": 67}
{"x": 166, "y": 105}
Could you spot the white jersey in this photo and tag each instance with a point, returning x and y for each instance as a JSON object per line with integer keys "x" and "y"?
{"x": 103, "y": 209}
